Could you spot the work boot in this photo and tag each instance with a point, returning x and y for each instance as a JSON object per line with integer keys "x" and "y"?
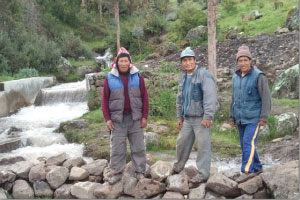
{"x": 114, "y": 179}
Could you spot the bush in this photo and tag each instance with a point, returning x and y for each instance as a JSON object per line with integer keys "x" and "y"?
{"x": 155, "y": 23}
{"x": 3, "y": 65}
{"x": 230, "y": 5}
{"x": 28, "y": 72}
{"x": 71, "y": 46}
{"x": 168, "y": 67}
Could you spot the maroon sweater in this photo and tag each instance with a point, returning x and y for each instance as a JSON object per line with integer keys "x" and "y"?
{"x": 127, "y": 108}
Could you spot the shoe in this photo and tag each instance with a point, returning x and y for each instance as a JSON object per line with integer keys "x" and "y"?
{"x": 114, "y": 179}
{"x": 176, "y": 170}
{"x": 139, "y": 175}
{"x": 198, "y": 179}
{"x": 246, "y": 176}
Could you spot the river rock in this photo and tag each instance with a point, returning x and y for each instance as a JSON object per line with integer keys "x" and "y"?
{"x": 96, "y": 167}
{"x": 178, "y": 183}
{"x": 212, "y": 195}
{"x": 37, "y": 173}
{"x": 232, "y": 173}
{"x": 245, "y": 196}
{"x": 7, "y": 186}
{"x": 22, "y": 190}
{"x": 84, "y": 190}
{"x": 161, "y": 170}
{"x": 251, "y": 186}
{"x": 261, "y": 194}
{"x": 7, "y": 176}
{"x": 63, "y": 192}
{"x": 129, "y": 185}
{"x": 10, "y": 161}
{"x": 222, "y": 185}
{"x": 107, "y": 191}
{"x": 57, "y": 160}
{"x": 22, "y": 168}
{"x": 42, "y": 189}
{"x": 286, "y": 123}
{"x": 78, "y": 174}
{"x": 96, "y": 179}
{"x": 57, "y": 176}
{"x": 74, "y": 162}
{"x": 147, "y": 188}
{"x": 173, "y": 195}
{"x": 3, "y": 194}
{"x": 9, "y": 144}
{"x": 283, "y": 180}
{"x": 198, "y": 193}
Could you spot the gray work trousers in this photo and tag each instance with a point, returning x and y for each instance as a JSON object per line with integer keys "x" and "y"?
{"x": 193, "y": 129}
{"x": 118, "y": 147}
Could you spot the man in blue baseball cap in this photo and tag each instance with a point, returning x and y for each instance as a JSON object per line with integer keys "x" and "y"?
{"x": 196, "y": 105}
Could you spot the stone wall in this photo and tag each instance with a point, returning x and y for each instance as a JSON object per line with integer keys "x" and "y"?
{"x": 95, "y": 84}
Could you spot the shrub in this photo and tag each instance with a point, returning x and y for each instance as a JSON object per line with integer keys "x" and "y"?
{"x": 168, "y": 67}
{"x": 230, "y": 5}
{"x": 28, "y": 72}
{"x": 155, "y": 23}
{"x": 3, "y": 65}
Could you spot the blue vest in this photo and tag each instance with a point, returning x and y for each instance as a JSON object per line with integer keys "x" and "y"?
{"x": 246, "y": 107}
{"x": 117, "y": 97}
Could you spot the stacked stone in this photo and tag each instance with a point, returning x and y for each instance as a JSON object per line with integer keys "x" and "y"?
{"x": 95, "y": 85}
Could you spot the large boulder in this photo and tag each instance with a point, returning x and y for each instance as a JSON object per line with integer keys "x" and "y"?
{"x": 107, "y": 191}
{"x": 37, "y": 173}
{"x": 286, "y": 123}
{"x": 198, "y": 33}
{"x": 57, "y": 160}
{"x": 223, "y": 185}
{"x": 292, "y": 22}
{"x": 129, "y": 185}
{"x": 96, "y": 167}
{"x": 173, "y": 195}
{"x": 22, "y": 190}
{"x": 255, "y": 14}
{"x": 147, "y": 188}
{"x": 178, "y": 183}
{"x": 57, "y": 176}
{"x": 161, "y": 170}
{"x": 63, "y": 192}
{"x": 21, "y": 169}
{"x": 84, "y": 190}
{"x": 198, "y": 193}
{"x": 283, "y": 180}
{"x": 251, "y": 186}
{"x": 286, "y": 85}
{"x": 7, "y": 176}
{"x": 78, "y": 174}
{"x": 42, "y": 189}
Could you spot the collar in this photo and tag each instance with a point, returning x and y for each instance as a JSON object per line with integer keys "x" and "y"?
{"x": 116, "y": 73}
{"x": 239, "y": 72}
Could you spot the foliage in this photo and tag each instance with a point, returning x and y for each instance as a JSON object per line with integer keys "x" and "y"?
{"x": 28, "y": 72}
{"x": 168, "y": 67}
{"x": 230, "y": 5}
{"x": 3, "y": 65}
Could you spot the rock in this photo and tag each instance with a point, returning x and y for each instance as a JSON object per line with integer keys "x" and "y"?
{"x": 262, "y": 194}
{"x": 7, "y": 176}
{"x": 286, "y": 84}
{"x": 129, "y": 185}
{"x": 178, "y": 183}
{"x": 161, "y": 170}
{"x": 173, "y": 195}
{"x": 232, "y": 173}
{"x": 251, "y": 186}
{"x": 57, "y": 176}
{"x": 152, "y": 56}
{"x": 12, "y": 160}
{"x": 150, "y": 159}
{"x": 57, "y": 160}
{"x": 198, "y": 193}
{"x": 22, "y": 168}
{"x": 245, "y": 196}
{"x": 96, "y": 167}
{"x": 107, "y": 191}
{"x": 22, "y": 190}
{"x": 7, "y": 186}
{"x": 212, "y": 195}
{"x": 63, "y": 192}
{"x": 99, "y": 83}
{"x": 3, "y": 194}
{"x": 42, "y": 189}
{"x": 254, "y": 15}
{"x": 171, "y": 16}
{"x": 170, "y": 49}
{"x": 78, "y": 174}
{"x": 96, "y": 179}
{"x": 198, "y": 33}
{"x": 79, "y": 123}
{"x": 222, "y": 185}
{"x": 37, "y": 173}
{"x": 282, "y": 30}
{"x": 277, "y": 140}
{"x": 150, "y": 137}
{"x": 286, "y": 123}
{"x": 65, "y": 68}
{"x": 225, "y": 126}
{"x": 84, "y": 190}
{"x": 292, "y": 22}
{"x": 74, "y": 162}
{"x": 158, "y": 128}
{"x": 9, "y": 144}
{"x": 282, "y": 180}
{"x": 147, "y": 188}
{"x": 264, "y": 130}
{"x": 232, "y": 33}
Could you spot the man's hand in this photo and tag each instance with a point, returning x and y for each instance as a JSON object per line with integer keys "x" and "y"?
{"x": 262, "y": 123}
{"x": 110, "y": 126}
{"x": 143, "y": 122}
{"x": 206, "y": 123}
{"x": 179, "y": 124}
{"x": 232, "y": 122}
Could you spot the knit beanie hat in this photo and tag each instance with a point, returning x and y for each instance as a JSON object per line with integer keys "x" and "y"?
{"x": 243, "y": 51}
{"x": 121, "y": 51}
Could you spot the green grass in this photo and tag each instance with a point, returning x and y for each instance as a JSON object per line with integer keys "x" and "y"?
{"x": 91, "y": 45}
{"x": 79, "y": 63}
{"x": 292, "y": 103}
{"x": 271, "y": 20}
{"x": 95, "y": 116}
{"x": 6, "y": 78}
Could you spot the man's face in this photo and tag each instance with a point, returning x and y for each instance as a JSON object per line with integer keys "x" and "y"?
{"x": 123, "y": 64}
{"x": 188, "y": 63}
{"x": 244, "y": 64}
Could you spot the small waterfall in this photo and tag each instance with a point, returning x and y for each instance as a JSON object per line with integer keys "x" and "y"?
{"x": 106, "y": 59}
{"x": 65, "y": 93}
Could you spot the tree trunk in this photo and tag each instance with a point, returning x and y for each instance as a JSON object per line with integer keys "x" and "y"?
{"x": 116, "y": 9}
{"x": 211, "y": 22}
{"x": 100, "y": 10}
{"x": 83, "y": 6}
